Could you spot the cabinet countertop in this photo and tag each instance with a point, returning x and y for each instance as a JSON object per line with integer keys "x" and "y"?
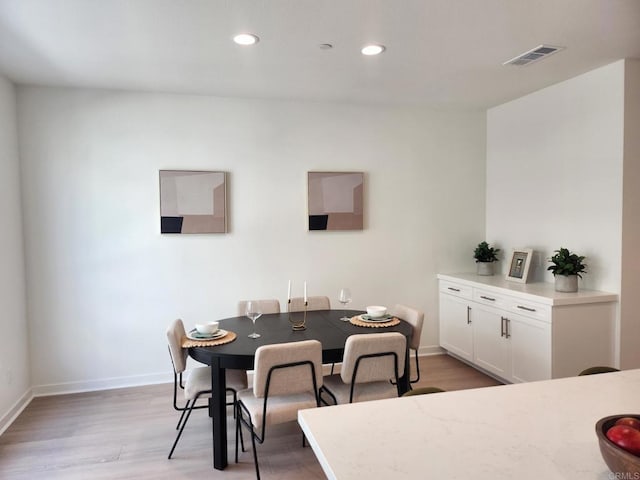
{"x": 541, "y": 292}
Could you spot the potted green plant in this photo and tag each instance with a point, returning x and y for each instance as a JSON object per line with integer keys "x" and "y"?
{"x": 485, "y": 255}
{"x": 566, "y": 269}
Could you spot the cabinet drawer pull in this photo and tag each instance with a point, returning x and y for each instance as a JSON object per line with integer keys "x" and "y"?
{"x": 453, "y": 289}
{"x": 526, "y": 308}
{"x": 507, "y": 334}
{"x": 487, "y": 298}
{"x": 502, "y": 319}
{"x": 468, "y": 315}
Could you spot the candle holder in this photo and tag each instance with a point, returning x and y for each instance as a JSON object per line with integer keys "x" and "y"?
{"x": 297, "y": 321}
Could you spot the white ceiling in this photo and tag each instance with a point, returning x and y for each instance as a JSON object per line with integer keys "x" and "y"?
{"x": 440, "y": 53}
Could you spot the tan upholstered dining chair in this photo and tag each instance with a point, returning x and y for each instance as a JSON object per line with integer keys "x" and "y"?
{"x": 271, "y": 305}
{"x": 314, "y": 303}
{"x": 416, "y": 319}
{"x": 197, "y": 383}
{"x": 370, "y": 362}
{"x": 286, "y": 379}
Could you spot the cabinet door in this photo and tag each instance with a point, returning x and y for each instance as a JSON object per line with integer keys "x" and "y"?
{"x": 491, "y": 346}
{"x": 530, "y": 349}
{"x": 455, "y": 327}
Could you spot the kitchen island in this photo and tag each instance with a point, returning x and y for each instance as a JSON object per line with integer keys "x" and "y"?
{"x": 536, "y": 430}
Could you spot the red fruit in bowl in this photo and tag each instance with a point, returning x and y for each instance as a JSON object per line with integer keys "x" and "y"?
{"x": 629, "y": 422}
{"x": 625, "y": 437}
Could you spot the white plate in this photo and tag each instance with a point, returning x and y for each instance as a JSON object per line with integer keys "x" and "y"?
{"x": 368, "y": 318}
{"x": 194, "y": 335}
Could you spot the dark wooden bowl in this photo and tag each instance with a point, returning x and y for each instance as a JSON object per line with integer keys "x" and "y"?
{"x": 617, "y": 459}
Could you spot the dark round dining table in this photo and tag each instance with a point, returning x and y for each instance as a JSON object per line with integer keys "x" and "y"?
{"x": 322, "y": 325}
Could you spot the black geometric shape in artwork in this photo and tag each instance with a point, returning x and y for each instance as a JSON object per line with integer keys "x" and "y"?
{"x": 171, "y": 224}
{"x": 318, "y": 222}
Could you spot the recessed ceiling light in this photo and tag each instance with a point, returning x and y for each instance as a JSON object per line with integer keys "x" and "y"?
{"x": 246, "y": 39}
{"x": 373, "y": 49}
{"x": 325, "y": 46}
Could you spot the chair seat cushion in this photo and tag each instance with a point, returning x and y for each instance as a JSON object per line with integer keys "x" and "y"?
{"x": 199, "y": 380}
{"x": 236, "y": 379}
{"x": 362, "y": 391}
{"x": 280, "y": 408}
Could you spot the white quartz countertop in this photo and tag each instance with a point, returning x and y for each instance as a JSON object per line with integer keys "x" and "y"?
{"x": 539, "y": 431}
{"x": 542, "y": 292}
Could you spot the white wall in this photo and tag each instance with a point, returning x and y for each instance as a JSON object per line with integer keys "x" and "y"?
{"x": 14, "y": 347}
{"x": 103, "y": 283}
{"x": 555, "y": 174}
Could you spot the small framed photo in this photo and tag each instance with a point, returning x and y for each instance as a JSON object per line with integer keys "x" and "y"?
{"x": 519, "y": 265}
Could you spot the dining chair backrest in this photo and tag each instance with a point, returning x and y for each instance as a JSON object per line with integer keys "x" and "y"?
{"x": 422, "y": 391}
{"x": 413, "y": 317}
{"x": 175, "y": 332}
{"x": 313, "y": 303}
{"x": 597, "y": 370}
{"x": 270, "y": 305}
{"x": 291, "y": 380}
{"x": 374, "y": 368}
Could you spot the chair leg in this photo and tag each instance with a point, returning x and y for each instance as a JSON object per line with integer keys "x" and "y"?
{"x": 255, "y": 455}
{"x": 237, "y": 414}
{"x": 414, "y": 380}
{"x": 235, "y": 400}
{"x": 184, "y": 411}
{"x": 182, "y": 427}
{"x": 241, "y": 440}
{"x": 330, "y": 393}
{"x": 239, "y": 422}
{"x": 417, "y": 379}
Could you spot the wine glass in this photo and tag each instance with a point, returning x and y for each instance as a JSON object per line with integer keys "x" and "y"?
{"x": 253, "y": 312}
{"x": 344, "y": 298}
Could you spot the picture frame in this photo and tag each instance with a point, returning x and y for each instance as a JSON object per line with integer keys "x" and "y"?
{"x": 335, "y": 201}
{"x": 193, "y": 201}
{"x": 519, "y": 265}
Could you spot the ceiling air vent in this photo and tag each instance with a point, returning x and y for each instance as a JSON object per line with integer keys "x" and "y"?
{"x": 533, "y": 55}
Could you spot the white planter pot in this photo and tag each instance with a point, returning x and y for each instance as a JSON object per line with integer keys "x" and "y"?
{"x": 484, "y": 268}
{"x": 566, "y": 283}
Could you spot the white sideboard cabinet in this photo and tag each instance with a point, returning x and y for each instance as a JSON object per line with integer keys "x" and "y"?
{"x": 525, "y": 332}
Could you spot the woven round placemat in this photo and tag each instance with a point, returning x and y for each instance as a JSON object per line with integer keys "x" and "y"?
{"x": 228, "y": 338}
{"x": 358, "y": 321}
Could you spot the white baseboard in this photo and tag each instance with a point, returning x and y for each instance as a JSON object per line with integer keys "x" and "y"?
{"x": 103, "y": 384}
{"x": 430, "y": 350}
{"x": 17, "y": 408}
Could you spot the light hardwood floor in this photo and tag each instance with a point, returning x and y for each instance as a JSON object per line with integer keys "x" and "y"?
{"x": 127, "y": 433}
